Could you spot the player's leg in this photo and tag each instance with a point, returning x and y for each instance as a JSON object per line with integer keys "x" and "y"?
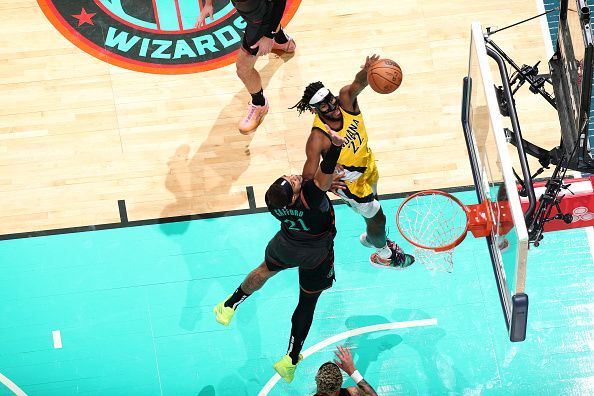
{"x": 274, "y": 262}
{"x": 375, "y": 230}
{"x": 247, "y": 73}
{"x": 387, "y": 253}
{"x": 312, "y": 283}
{"x": 225, "y": 310}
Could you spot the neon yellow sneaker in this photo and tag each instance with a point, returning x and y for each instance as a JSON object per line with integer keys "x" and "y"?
{"x": 223, "y": 314}
{"x": 285, "y": 367}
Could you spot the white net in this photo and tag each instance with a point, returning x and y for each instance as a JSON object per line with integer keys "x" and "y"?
{"x": 432, "y": 220}
{"x": 435, "y": 261}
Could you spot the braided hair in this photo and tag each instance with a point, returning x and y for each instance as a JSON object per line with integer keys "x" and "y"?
{"x": 328, "y": 378}
{"x": 310, "y": 90}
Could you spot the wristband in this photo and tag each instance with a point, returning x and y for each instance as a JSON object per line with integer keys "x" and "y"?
{"x": 356, "y": 376}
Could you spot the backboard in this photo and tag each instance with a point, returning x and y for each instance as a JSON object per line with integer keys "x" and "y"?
{"x": 494, "y": 180}
{"x": 571, "y": 74}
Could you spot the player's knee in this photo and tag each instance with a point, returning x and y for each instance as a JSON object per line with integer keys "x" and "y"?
{"x": 241, "y": 71}
{"x": 379, "y": 220}
{"x": 264, "y": 271}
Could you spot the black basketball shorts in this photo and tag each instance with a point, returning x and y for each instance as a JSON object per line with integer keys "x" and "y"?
{"x": 255, "y": 30}
{"x": 315, "y": 260}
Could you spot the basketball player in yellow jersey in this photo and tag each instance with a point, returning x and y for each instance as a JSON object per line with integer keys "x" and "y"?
{"x": 356, "y": 164}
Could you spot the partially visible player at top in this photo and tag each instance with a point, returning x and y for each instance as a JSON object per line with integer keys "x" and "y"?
{"x": 358, "y": 187}
{"x": 262, "y": 34}
{"x": 305, "y": 240}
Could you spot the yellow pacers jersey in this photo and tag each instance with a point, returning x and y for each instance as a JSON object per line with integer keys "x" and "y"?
{"x": 356, "y": 157}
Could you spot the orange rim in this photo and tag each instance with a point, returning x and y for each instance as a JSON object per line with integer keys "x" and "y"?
{"x": 442, "y": 248}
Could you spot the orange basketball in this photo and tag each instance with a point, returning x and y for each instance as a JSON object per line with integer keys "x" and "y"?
{"x": 384, "y": 76}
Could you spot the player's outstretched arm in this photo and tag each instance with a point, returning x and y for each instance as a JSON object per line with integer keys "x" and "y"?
{"x": 325, "y": 173}
{"x": 313, "y": 152}
{"x": 349, "y": 93}
{"x": 345, "y": 362}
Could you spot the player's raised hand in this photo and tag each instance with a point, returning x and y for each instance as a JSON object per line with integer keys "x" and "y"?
{"x": 336, "y": 139}
{"x": 370, "y": 60}
{"x": 337, "y": 182}
{"x": 346, "y": 359}
{"x": 206, "y": 11}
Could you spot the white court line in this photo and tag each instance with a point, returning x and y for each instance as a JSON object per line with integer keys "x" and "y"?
{"x": 57, "y": 339}
{"x": 544, "y": 24}
{"x": 350, "y": 333}
{"x": 12, "y": 386}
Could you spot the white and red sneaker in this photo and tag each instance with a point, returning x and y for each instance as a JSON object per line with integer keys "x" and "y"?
{"x": 397, "y": 260}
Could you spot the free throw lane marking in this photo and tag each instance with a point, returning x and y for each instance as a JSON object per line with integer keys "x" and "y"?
{"x": 350, "y": 333}
{"x": 57, "y": 339}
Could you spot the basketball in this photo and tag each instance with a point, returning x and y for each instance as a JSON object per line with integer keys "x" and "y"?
{"x": 384, "y": 76}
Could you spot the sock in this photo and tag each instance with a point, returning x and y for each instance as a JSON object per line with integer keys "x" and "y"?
{"x": 293, "y": 351}
{"x": 280, "y": 37}
{"x": 258, "y": 98}
{"x": 236, "y": 298}
{"x": 384, "y": 252}
{"x": 301, "y": 322}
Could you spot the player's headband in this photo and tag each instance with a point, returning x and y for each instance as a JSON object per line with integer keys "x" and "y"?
{"x": 322, "y": 97}
{"x": 319, "y": 96}
{"x": 287, "y": 188}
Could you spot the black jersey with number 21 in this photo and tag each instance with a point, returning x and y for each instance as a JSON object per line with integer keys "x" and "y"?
{"x": 311, "y": 214}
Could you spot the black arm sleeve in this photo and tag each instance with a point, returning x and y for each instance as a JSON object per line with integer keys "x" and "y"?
{"x": 312, "y": 194}
{"x": 278, "y": 8}
{"x": 329, "y": 162}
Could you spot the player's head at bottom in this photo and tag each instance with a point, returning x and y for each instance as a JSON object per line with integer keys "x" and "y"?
{"x": 328, "y": 379}
{"x": 284, "y": 191}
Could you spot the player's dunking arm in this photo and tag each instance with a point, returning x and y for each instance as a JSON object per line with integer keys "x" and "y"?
{"x": 348, "y": 94}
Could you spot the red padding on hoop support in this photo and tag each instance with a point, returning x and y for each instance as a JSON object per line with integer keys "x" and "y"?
{"x": 580, "y": 204}
{"x": 480, "y": 222}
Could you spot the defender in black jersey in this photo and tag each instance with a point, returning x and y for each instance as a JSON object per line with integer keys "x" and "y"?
{"x": 262, "y": 34}
{"x": 305, "y": 240}
{"x": 329, "y": 377}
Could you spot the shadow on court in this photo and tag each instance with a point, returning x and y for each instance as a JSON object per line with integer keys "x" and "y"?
{"x": 439, "y": 368}
{"x": 203, "y": 178}
{"x": 369, "y": 345}
{"x": 207, "y": 176}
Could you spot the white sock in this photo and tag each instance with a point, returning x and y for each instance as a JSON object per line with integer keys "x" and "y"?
{"x": 384, "y": 252}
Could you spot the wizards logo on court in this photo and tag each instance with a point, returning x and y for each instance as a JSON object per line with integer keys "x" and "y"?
{"x": 153, "y": 36}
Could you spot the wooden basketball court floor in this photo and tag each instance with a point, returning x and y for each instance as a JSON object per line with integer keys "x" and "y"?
{"x": 77, "y": 135}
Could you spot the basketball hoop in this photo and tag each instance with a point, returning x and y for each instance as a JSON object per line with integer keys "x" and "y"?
{"x": 435, "y": 222}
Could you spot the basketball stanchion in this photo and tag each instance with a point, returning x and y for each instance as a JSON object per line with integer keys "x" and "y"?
{"x": 435, "y": 222}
